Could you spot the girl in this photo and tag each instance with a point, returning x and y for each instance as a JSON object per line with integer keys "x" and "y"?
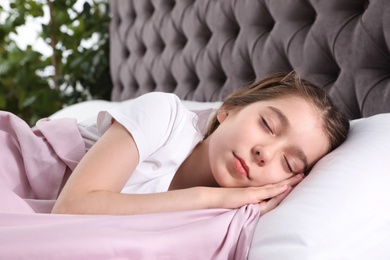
{"x": 153, "y": 157}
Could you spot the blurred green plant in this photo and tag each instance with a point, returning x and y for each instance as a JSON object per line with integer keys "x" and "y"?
{"x": 33, "y": 86}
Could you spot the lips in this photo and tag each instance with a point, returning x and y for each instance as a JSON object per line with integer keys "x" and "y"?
{"x": 241, "y": 167}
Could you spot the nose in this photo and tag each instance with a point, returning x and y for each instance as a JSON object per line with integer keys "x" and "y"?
{"x": 263, "y": 155}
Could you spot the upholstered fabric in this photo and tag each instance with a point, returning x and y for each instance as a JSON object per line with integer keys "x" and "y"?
{"x": 203, "y": 49}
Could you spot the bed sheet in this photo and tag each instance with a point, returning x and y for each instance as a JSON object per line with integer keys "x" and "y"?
{"x": 33, "y": 167}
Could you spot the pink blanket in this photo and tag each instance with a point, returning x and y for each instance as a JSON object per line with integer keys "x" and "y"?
{"x": 34, "y": 163}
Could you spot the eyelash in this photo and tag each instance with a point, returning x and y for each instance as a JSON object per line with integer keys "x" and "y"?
{"x": 265, "y": 123}
{"x": 288, "y": 164}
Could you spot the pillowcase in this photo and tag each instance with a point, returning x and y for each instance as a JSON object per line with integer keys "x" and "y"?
{"x": 342, "y": 209}
{"x": 86, "y": 112}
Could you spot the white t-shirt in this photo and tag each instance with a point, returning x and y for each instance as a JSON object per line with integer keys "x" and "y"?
{"x": 164, "y": 131}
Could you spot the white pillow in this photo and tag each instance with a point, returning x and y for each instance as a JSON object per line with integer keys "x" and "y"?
{"x": 86, "y": 111}
{"x": 342, "y": 209}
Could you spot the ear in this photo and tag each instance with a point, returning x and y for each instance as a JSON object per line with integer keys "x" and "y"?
{"x": 222, "y": 114}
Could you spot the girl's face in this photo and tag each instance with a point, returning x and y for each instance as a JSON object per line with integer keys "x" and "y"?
{"x": 266, "y": 142}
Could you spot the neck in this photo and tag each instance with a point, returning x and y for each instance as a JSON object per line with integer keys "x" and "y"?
{"x": 195, "y": 170}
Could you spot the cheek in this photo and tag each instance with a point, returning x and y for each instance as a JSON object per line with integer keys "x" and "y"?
{"x": 215, "y": 151}
{"x": 223, "y": 138}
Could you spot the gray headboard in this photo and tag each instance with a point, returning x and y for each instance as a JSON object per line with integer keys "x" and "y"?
{"x": 203, "y": 49}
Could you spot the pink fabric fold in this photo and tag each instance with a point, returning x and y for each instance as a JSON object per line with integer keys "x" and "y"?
{"x": 35, "y": 162}
{"x": 200, "y": 234}
{"x": 33, "y": 166}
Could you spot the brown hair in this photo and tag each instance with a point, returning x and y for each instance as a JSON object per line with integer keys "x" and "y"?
{"x": 335, "y": 123}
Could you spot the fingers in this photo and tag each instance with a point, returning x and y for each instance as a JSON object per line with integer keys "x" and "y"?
{"x": 271, "y": 191}
{"x": 266, "y": 206}
{"x": 294, "y": 180}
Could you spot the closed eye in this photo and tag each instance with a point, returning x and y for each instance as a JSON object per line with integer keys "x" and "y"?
{"x": 265, "y": 123}
{"x": 288, "y": 164}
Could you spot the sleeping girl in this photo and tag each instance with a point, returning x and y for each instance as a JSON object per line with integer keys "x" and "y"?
{"x": 150, "y": 155}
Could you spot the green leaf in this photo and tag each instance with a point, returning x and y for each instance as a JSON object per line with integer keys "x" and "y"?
{"x": 5, "y": 67}
{"x": 29, "y": 101}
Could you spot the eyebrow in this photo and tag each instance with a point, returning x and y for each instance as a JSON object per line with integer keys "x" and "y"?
{"x": 282, "y": 117}
{"x": 286, "y": 123}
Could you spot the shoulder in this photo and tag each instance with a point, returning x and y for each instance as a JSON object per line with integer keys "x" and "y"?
{"x": 159, "y": 96}
{"x": 164, "y": 110}
{"x": 164, "y": 105}
{"x": 153, "y": 107}
{"x": 159, "y": 99}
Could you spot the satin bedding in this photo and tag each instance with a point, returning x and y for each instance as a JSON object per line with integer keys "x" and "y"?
{"x": 34, "y": 164}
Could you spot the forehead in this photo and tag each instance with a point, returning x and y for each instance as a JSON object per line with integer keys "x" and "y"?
{"x": 290, "y": 104}
{"x": 295, "y": 105}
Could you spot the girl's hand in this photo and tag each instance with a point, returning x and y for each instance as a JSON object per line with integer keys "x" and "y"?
{"x": 268, "y": 196}
{"x": 267, "y": 205}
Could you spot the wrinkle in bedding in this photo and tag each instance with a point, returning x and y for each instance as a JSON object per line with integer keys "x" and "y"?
{"x": 34, "y": 163}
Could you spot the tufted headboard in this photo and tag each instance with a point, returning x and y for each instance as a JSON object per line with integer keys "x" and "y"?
{"x": 203, "y": 49}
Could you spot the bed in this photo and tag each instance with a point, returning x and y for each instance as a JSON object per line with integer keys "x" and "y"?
{"x": 201, "y": 50}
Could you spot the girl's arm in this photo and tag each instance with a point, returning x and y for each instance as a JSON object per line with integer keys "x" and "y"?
{"x": 94, "y": 186}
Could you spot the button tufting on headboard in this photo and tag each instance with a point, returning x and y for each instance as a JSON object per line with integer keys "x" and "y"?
{"x": 203, "y": 49}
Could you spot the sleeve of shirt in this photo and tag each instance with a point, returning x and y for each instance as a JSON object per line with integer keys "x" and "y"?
{"x": 150, "y": 119}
